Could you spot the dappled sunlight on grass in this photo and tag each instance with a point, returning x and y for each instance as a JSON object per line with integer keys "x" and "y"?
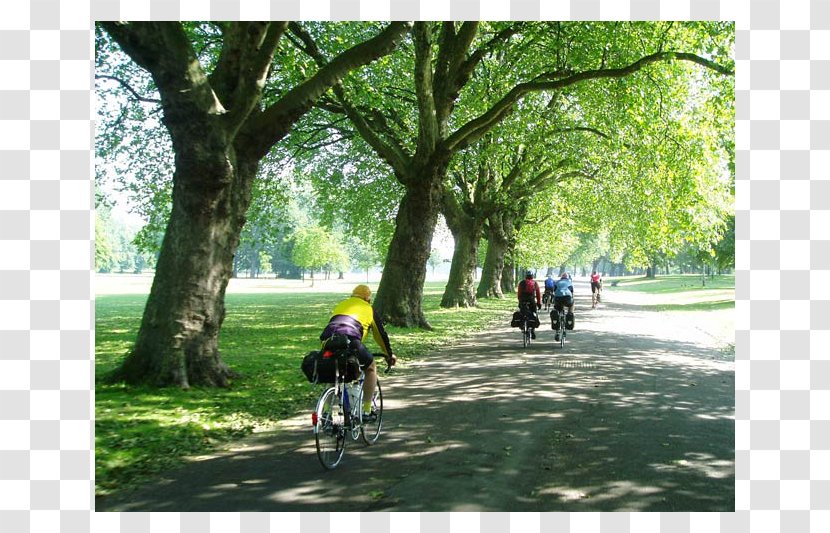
{"x": 142, "y": 431}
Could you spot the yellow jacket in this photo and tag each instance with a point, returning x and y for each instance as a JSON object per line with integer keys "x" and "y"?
{"x": 355, "y": 317}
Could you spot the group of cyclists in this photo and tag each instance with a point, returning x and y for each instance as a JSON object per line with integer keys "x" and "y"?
{"x": 355, "y": 318}
{"x": 561, "y": 290}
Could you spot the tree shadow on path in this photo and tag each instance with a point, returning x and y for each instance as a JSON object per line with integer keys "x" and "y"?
{"x": 614, "y": 421}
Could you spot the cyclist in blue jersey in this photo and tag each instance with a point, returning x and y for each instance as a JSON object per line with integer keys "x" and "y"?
{"x": 549, "y": 286}
{"x": 563, "y": 294}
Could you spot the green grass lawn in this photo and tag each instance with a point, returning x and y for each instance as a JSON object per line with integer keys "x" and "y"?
{"x": 140, "y": 432}
{"x": 718, "y": 293}
{"x": 670, "y": 284}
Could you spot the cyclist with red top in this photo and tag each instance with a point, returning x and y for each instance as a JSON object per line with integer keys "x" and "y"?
{"x": 596, "y": 286}
{"x": 525, "y": 292}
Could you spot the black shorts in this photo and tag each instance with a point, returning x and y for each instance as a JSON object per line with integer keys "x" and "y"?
{"x": 528, "y": 308}
{"x": 594, "y": 286}
{"x": 560, "y": 301}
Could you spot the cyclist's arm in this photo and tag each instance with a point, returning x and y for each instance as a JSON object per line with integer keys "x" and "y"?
{"x": 538, "y": 296}
{"x": 380, "y": 334}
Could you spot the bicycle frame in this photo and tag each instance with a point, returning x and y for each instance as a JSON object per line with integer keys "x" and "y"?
{"x": 344, "y": 416}
{"x": 560, "y": 331}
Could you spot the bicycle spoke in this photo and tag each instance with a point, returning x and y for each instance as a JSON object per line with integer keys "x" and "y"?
{"x": 329, "y": 430}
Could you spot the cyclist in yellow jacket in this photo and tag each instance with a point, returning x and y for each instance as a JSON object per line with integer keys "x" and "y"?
{"x": 355, "y": 317}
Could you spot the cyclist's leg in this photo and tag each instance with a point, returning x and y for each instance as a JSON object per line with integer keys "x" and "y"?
{"x": 367, "y": 363}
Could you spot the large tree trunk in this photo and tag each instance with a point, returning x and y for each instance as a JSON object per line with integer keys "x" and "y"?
{"x": 466, "y": 224}
{"x": 490, "y": 285}
{"x": 401, "y": 287}
{"x": 178, "y": 341}
{"x": 508, "y": 278}
{"x": 496, "y": 276}
{"x": 460, "y": 289}
{"x": 491, "y": 274}
{"x": 220, "y": 131}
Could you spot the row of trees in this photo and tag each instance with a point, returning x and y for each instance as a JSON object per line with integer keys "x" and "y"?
{"x": 533, "y": 137}
{"x": 115, "y": 248}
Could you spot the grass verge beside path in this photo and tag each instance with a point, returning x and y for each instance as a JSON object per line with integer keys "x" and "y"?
{"x": 679, "y": 292}
{"x": 670, "y": 284}
{"x": 140, "y": 432}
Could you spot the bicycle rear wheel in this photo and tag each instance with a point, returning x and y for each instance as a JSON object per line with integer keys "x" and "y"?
{"x": 329, "y": 430}
{"x": 370, "y": 429}
{"x": 525, "y": 335}
{"x": 562, "y": 330}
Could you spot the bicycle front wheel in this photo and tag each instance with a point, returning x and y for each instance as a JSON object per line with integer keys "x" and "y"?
{"x": 330, "y": 431}
{"x": 370, "y": 429}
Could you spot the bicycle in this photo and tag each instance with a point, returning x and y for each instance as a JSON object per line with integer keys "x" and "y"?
{"x": 339, "y": 416}
{"x": 527, "y": 313}
{"x": 595, "y": 295}
{"x": 547, "y": 299}
{"x": 560, "y": 330}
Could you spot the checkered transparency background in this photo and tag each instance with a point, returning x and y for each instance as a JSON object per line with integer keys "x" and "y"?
{"x": 783, "y": 255}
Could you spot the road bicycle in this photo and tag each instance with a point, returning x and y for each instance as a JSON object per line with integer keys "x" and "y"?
{"x": 339, "y": 417}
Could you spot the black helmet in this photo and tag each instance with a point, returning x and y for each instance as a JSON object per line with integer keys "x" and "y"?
{"x": 529, "y": 274}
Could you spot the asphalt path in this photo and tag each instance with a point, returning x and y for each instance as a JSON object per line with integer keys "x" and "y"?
{"x": 636, "y": 413}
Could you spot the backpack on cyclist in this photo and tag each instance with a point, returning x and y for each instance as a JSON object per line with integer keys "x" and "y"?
{"x": 528, "y": 287}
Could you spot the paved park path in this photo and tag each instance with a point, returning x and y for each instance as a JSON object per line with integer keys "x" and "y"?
{"x": 635, "y": 414}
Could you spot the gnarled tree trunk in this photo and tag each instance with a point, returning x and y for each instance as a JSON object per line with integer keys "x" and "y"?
{"x": 220, "y": 131}
{"x": 178, "y": 341}
{"x": 497, "y": 277}
{"x": 466, "y": 225}
{"x": 400, "y": 292}
{"x": 460, "y": 289}
{"x": 491, "y": 273}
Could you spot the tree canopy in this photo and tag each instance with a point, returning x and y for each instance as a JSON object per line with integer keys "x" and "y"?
{"x": 550, "y": 140}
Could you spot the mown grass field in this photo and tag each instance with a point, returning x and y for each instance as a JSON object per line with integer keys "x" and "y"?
{"x": 671, "y": 284}
{"x": 680, "y": 292}
{"x": 140, "y": 432}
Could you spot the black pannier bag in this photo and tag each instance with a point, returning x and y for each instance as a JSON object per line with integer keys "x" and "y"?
{"x": 517, "y": 319}
{"x": 554, "y": 319}
{"x": 319, "y": 367}
{"x": 533, "y": 320}
{"x": 337, "y": 342}
{"x": 569, "y": 321}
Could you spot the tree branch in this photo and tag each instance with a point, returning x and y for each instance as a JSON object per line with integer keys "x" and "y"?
{"x": 165, "y": 52}
{"x": 427, "y": 117}
{"x": 129, "y": 89}
{"x": 259, "y": 44}
{"x": 474, "y": 129}
{"x": 273, "y": 124}
{"x": 388, "y": 149}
